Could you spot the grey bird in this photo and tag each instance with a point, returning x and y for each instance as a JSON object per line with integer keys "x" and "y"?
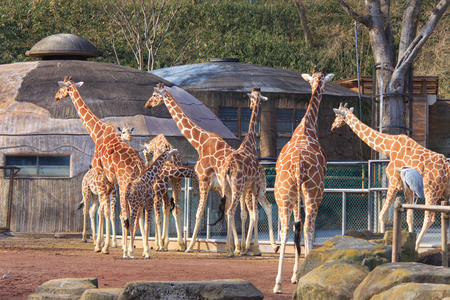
{"x": 412, "y": 180}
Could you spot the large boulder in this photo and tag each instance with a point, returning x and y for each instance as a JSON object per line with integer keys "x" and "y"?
{"x": 336, "y": 279}
{"x": 357, "y": 250}
{"x": 408, "y": 251}
{"x": 432, "y": 257}
{"x": 187, "y": 290}
{"x": 387, "y": 276}
{"x": 102, "y": 294}
{"x": 65, "y": 288}
{"x": 415, "y": 291}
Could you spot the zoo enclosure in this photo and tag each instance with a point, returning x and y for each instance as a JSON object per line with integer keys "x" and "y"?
{"x": 354, "y": 195}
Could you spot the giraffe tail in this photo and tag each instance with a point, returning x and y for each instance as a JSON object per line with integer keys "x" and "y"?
{"x": 80, "y": 206}
{"x": 223, "y": 200}
{"x": 172, "y": 204}
{"x": 297, "y": 236}
{"x": 127, "y": 223}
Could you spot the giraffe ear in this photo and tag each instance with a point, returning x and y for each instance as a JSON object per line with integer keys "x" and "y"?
{"x": 337, "y": 111}
{"x": 62, "y": 83}
{"x": 351, "y": 109}
{"x": 120, "y": 130}
{"x": 328, "y": 77}
{"x": 158, "y": 91}
{"x": 131, "y": 130}
{"x": 250, "y": 95}
{"x": 263, "y": 98}
{"x": 307, "y": 77}
{"x": 78, "y": 84}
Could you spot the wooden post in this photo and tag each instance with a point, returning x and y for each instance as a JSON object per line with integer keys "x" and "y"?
{"x": 444, "y": 226}
{"x": 397, "y": 230}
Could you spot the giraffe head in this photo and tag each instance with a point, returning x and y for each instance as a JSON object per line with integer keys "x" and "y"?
{"x": 318, "y": 78}
{"x": 340, "y": 116}
{"x": 157, "y": 97}
{"x": 126, "y": 132}
{"x": 65, "y": 87}
{"x": 255, "y": 98}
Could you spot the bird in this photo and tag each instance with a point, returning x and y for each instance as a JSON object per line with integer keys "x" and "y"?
{"x": 413, "y": 180}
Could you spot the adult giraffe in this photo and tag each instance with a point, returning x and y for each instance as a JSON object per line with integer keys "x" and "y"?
{"x": 211, "y": 148}
{"x": 301, "y": 168}
{"x": 173, "y": 173}
{"x": 117, "y": 159}
{"x": 402, "y": 151}
{"x": 247, "y": 180}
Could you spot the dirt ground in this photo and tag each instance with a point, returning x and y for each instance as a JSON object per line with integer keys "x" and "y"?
{"x": 27, "y": 262}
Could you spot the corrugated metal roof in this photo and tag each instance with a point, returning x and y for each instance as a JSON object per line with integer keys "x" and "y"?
{"x": 234, "y": 76}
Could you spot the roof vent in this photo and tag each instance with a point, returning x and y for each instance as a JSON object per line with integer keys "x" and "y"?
{"x": 63, "y": 46}
{"x": 224, "y": 60}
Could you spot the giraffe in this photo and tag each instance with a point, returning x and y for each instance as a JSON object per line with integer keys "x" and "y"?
{"x": 94, "y": 180}
{"x": 119, "y": 162}
{"x": 172, "y": 173}
{"x": 301, "y": 168}
{"x": 125, "y": 132}
{"x": 211, "y": 148}
{"x": 402, "y": 151}
{"x": 247, "y": 180}
{"x": 139, "y": 192}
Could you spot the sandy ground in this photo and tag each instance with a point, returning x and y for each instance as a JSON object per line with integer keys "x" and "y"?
{"x": 27, "y": 262}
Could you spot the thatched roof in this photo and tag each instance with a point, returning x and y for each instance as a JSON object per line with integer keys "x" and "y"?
{"x": 114, "y": 93}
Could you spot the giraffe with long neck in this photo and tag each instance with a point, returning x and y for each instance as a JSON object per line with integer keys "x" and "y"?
{"x": 119, "y": 162}
{"x": 140, "y": 194}
{"x": 211, "y": 148}
{"x": 402, "y": 151}
{"x": 301, "y": 168}
{"x": 93, "y": 181}
{"x": 173, "y": 173}
{"x": 246, "y": 176}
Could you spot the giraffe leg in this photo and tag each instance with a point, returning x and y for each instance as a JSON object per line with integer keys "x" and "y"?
{"x": 176, "y": 212}
{"x": 107, "y": 211}
{"x": 165, "y": 235}
{"x": 241, "y": 246}
{"x": 148, "y": 213}
{"x": 409, "y": 196}
{"x": 298, "y": 237}
{"x": 254, "y": 215}
{"x": 113, "y": 217}
{"x": 134, "y": 217}
{"x": 427, "y": 221}
{"x": 268, "y": 210}
{"x": 158, "y": 236}
{"x": 124, "y": 220}
{"x": 284, "y": 214}
{"x": 101, "y": 216}
{"x": 231, "y": 227}
{"x": 392, "y": 191}
{"x": 204, "y": 189}
{"x": 92, "y": 211}
{"x": 85, "y": 203}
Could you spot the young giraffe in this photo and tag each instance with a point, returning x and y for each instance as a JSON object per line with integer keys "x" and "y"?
{"x": 211, "y": 148}
{"x": 402, "y": 151}
{"x": 139, "y": 193}
{"x": 246, "y": 178}
{"x": 172, "y": 173}
{"x": 92, "y": 181}
{"x": 119, "y": 161}
{"x": 301, "y": 168}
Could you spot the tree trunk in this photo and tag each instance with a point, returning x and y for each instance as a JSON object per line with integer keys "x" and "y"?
{"x": 302, "y": 14}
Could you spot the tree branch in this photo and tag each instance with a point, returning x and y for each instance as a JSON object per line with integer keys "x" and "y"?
{"x": 366, "y": 20}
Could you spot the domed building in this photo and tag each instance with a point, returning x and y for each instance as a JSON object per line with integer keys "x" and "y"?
{"x": 221, "y": 84}
{"x": 48, "y": 141}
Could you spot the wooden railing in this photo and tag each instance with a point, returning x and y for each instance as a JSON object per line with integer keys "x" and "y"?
{"x": 444, "y": 209}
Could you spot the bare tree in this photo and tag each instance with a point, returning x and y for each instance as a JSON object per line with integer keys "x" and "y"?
{"x": 377, "y": 19}
{"x": 141, "y": 23}
{"x": 304, "y": 20}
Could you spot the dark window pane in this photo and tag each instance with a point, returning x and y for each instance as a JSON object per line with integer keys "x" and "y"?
{"x": 299, "y": 114}
{"x": 54, "y": 166}
{"x": 284, "y": 121}
{"x": 27, "y": 164}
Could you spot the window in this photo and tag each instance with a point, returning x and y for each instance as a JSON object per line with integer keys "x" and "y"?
{"x": 287, "y": 121}
{"x": 40, "y": 166}
{"x": 237, "y": 120}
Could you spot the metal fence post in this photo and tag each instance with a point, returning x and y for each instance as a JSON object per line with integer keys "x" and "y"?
{"x": 444, "y": 227}
{"x": 344, "y": 212}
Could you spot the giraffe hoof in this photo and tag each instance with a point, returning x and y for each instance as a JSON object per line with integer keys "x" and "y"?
{"x": 83, "y": 240}
{"x": 277, "y": 289}
{"x": 276, "y": 248}
{"x": 188, "y": 251}
{"x": 96, "y": 250}
{"x": 114, "y": 245}
{"x": 258, "y": 253}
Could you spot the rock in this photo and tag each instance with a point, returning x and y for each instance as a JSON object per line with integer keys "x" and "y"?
{"x": 386, "y": 276}
{"x": 344, "y": 247}
{"x": 432, "y": 257}
{"x": 102, "y": 294}
{"x": 408, "y": 251}
{"x": 186, "y": 290}
{"x": 415, "y": 291}
{"x": 336, "y": 279}
{"x": 65, "y": 288}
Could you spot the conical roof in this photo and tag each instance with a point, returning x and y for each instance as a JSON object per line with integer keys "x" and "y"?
{"x": 63, "y": 45}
